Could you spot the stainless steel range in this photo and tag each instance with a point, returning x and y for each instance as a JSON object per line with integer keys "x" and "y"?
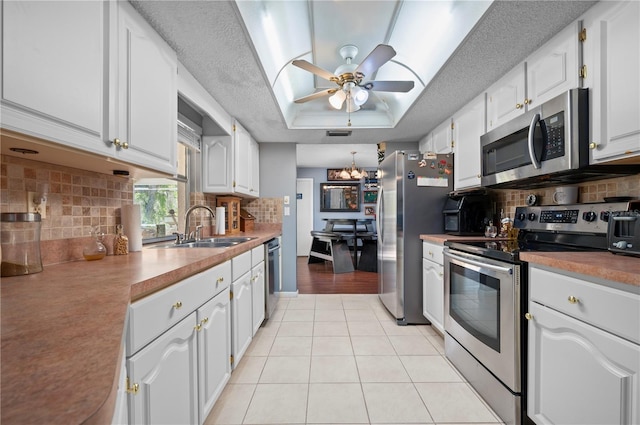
{"x": 486, "y": 296}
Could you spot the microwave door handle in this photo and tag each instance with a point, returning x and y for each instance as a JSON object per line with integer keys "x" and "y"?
{"x": 532, "y": 129}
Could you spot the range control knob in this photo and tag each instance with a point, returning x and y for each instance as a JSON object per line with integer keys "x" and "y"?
{"x": 589, "y": 216}
{"x": 532, "y": 216}
{"x": 521, "y": 216}
{"x": 604, "y": 215}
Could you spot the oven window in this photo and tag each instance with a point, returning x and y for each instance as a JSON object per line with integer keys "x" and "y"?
{"x": 475, "y": 304}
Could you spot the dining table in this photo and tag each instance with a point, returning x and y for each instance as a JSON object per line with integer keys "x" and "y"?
{"x": 353, "y": 228}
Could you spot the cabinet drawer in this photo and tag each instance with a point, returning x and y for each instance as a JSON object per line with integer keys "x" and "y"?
{"x": 240, "y": 265}
{"x": 257, "y": 255}
{"x": 433, "y": 251}
{"x": 156, "y": 313}
{"x": 610, "y": 309}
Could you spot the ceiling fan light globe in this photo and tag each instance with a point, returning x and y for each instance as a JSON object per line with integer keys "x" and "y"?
{"x": 337, "y": 99}
{"x": 359, "y": 96}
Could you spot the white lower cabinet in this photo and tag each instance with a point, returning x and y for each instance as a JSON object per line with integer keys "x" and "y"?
{"x": 178, "y": 349}
{"x": 258, "y": 287}
{"x": 583, "y": 359}
{"x": 241, "y": 316}
{"x": 433, "y": 284}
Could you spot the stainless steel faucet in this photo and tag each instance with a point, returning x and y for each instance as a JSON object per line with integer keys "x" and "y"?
{"x": 186, "y": 221}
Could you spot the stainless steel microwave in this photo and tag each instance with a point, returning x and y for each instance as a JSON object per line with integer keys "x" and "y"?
{"x": 551, "y": 138}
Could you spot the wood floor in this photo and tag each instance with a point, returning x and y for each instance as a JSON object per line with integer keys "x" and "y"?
{"x": 318, "y": 278}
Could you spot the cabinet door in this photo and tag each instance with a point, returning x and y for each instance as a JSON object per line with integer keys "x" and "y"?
{"x": 242, "y": 153}
{"x": 554, "y": 68}
{"x": 425, "y": 145}
{"x": 578, "y": 373}
{"x": 433, "y": 293}
{"x": 217, "y": 164}
{"x": 258, "y": 295}
{"x": 468, "y": 126}
{"x": 166, "y": 374}
{"x": 54, "y": 71}
{"x": 505, "y": 99}
{"x": 214, "y": 350}
{"x": 147, "y": 95}
{"x": 441, "y": 138}
{"x": 613, "y": 66}
{"x": 254, "y": 187}
{"x": 241, "y": 317}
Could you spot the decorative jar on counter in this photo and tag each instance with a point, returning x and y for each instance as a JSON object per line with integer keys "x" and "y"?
{"x": 95, "y": 249}
{"x": 20, "y": 236}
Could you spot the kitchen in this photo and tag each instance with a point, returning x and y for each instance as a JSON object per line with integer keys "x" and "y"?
{"x": 271, "y": 187}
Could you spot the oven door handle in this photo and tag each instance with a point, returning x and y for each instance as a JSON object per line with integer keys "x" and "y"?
{"x": 532, "y": 129}
{"x": 467, "y": 260}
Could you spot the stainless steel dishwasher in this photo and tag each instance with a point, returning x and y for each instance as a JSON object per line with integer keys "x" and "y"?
{"x": 273, "y": 273}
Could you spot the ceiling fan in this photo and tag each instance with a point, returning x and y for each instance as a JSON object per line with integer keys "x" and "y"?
{"x": 350, "y": 76}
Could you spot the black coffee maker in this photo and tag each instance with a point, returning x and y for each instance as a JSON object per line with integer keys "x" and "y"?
{"x": 467, "y": 213}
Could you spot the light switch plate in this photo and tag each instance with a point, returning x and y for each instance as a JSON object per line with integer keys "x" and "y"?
{"x": 287, "y": 211}
{"x": 32, "y": 207}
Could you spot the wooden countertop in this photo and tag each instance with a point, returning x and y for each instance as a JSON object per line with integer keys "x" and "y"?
{"x": 63, "y": 328}
{"x": 602, "y": 264}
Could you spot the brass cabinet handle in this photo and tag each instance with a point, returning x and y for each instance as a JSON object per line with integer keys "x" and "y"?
{"x": 573, "y": 300}
{"x": 518, "y": 105}
{"x": 220, "y": 280}
{"x": 177, "y": 305}
{"x": 528, "y": 316}
{"x": 132, "y": 389}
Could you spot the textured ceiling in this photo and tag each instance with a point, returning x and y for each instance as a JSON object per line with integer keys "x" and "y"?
{"x": 211, "y": 42}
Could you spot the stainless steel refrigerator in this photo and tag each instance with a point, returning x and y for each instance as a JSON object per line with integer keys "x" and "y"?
{"x": 412, "y": 191}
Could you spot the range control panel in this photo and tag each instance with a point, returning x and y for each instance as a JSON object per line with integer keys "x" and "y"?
{"x": 578, "y": 218}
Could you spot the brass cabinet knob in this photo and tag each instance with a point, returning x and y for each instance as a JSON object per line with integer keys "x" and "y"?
{"x": 527, "y": 101}
{"x": 119, "y": 144}
{"x": 132, "y": 389}
{"x": 177, "y": 305}
{"x": 518, "y": 105}
{"x": 528, "y": 316}
{"x": 431, "y": 253}
{"x": 198, "y": 327}
{"x": 573, "y": 300}
{"x": 220, "y": 280}
{"x": 593, "y": 145}
{"x": 205, "y": 320}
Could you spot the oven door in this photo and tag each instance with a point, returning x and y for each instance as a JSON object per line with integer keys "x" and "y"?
{"x": 482, "y": 312}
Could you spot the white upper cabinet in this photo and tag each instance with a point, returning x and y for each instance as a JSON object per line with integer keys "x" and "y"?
{"x": 424, "y": 145}
{"x": 254, "y": 186}
{"x": 92, "y": 76}
{"x": 612, "y": 59}
{"x": 217, "y": 164}
{"x": 549, "y": 71}
{"x": 242, "y": 145}
{"x": 555, "y": 67}
{"x": 468, "y": 126}
{"x": 147, "y": 111}
{"x": 55, "y": 70}
{"x": 441, "y": 139}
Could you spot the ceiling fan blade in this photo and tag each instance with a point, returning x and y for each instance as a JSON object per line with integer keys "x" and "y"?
{"x": 308, "y": 66}
{"x": 378, "y": 57}
{"x": 316, "y": 95}
{"x": 396, "y": 86}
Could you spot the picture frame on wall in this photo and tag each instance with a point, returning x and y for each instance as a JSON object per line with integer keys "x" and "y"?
{"x": 369, "y": 210}
{"x": 340, "y": 197}
{"x": 333, "y": 174}
{"x": 370, "y": 196}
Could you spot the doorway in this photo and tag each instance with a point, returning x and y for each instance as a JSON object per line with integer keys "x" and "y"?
{"x": 304, "y": 217}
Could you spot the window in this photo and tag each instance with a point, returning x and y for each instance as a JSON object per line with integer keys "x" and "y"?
{"x": 163, "y": 201}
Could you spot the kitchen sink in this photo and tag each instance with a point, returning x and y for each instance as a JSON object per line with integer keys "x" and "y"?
{"x": 219, "y": 242}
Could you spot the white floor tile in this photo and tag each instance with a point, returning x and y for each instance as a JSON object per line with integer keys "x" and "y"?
{"x": 331, "y": 346}
{"x": 412, "y": 345}
{"x": 298, "y": 316}
{"x": 260, "y": 345}
{"x": 291, "y": 346}
{"x": 296, "y": 329}
{"x": 248, "y": 371}
{"x": 453, "y": 402}
{"x": 356, "y": 304}
{"x": 437, "y": 341}
{"x": 336, "y": 403}
{"x": 381, "y": 369}
{"x": 394, "y": 403}
{"x": 232, "y": 405}
{"x": 270, "y": 327}
{"x": 330, "y": 329}
{"x": 286, "y": 370}
{"x": 333, "y": 369}
{"x": 278, "y": 404}
{"x": 365, "y": 328}
{"x": 360, "y": 315}
{"x": 372, "y": 346}
{"x": 429, "y": 369}
{"x": 329, "y": 304}
{"x": 329, "y": 316}
{"x": 392, "y": 328}
{"x": 302, "y": 304}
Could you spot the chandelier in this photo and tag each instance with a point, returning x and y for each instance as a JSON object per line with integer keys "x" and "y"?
{"x": 353, "y": 173}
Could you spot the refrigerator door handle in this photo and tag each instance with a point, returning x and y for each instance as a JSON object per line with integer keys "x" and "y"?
{"x": 379, "y": 217}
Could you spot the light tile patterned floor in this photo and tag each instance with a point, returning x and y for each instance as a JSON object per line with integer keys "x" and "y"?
{"x": 341, "y": 359}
